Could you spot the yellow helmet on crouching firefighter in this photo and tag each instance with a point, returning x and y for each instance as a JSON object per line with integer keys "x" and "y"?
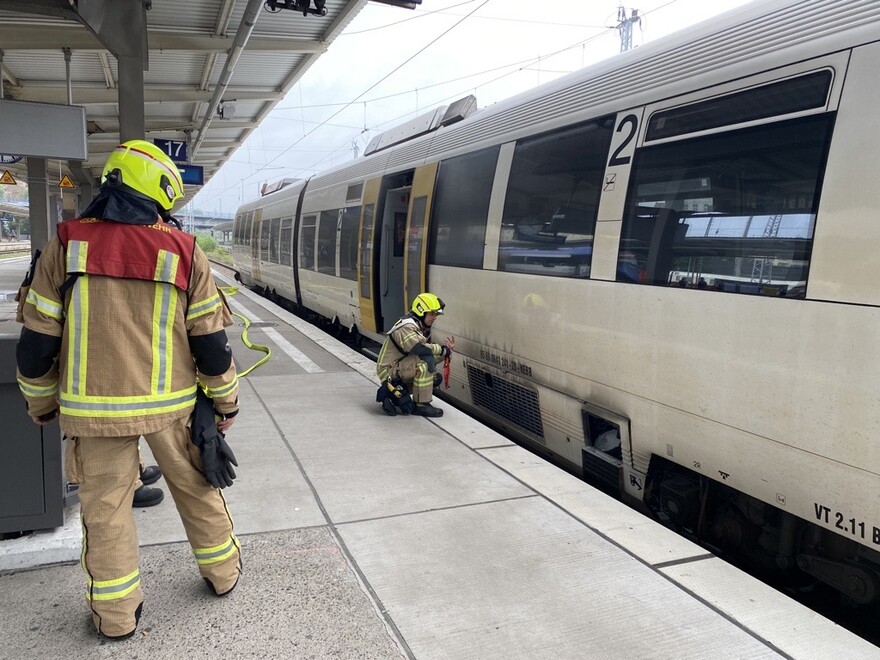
{"x": 145, "y": 169}
{"x": 427, "y": 302}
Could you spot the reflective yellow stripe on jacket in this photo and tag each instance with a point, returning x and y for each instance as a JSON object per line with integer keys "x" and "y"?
{"x": 203, "y": 307}
{"x": 126, "y": 406}
{"x": 164, "y": 311}
{"x": 37, "y": 390}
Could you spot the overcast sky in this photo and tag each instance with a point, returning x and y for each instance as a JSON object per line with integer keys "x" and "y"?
{"x": 440, "y": 52}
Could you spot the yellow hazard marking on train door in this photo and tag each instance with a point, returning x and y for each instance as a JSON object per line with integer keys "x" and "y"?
{"x": 66, "y": 182}
{"x": 7, "y": 178}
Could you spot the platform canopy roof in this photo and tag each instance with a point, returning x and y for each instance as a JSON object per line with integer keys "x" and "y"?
{"x": 195, "y": 68}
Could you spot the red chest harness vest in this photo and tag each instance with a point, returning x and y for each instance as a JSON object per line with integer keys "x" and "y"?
{"x": 115, "y": 249}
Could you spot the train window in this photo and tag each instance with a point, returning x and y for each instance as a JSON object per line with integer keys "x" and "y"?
{"x": 327, "y": 242}
{"x": 354, "y": 192}
{"x": 264, "y": 240}
{"x": 414, "y": 245}
{"x": 779, "y": 98}
{"x": 307, "y": 243}
{"x": 348, "y": 247}
{"x": 553, "y": 199}
{"x": 246, "y": 237}
{"x": 728, "y": 212}
{"x": 366, "y": 252}
{"x": 461, "y": 209}
{"x": 274, "y": 240}
{"x": 287, "y": 242}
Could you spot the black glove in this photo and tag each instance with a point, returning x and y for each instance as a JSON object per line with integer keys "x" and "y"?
{"x": 217, "y": 457}
{"x": 406, "y": 404}
{"x": 217, "y": 460}
{"x": 445, "y": 351}
{"x": 425, "y": 355}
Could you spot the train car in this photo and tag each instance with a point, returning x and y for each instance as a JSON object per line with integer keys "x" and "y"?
{"x": 660, "y": 271}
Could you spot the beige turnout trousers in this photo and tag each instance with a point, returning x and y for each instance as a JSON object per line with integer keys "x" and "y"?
{"x": 108, "y": 473}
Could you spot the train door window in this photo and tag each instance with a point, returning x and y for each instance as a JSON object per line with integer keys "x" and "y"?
{"x": 327, "y": 242}
{"x": 236, "y": 234}
{"x": 274, "y": 240}
{"x": 248, "y": 223}
{"x": 264, "y": 240}
{"x": 732, "y": 211}
{"x": 307, "y": 243}
{"x": 552, "y": 200}
{"x": 461, "y": 209}
{"x": 286, "y": 241}
{"x": 348, "y": 247}
{"x": 416, "y": 236}
{"x": 366, "y": 253}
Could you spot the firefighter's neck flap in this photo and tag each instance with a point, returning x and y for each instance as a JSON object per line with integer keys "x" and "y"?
{"x": 115, "y": 204}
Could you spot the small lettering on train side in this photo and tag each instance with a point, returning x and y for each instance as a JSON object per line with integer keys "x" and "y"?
{"x": 502, "y": 361}
{"x": 847, "y": 524}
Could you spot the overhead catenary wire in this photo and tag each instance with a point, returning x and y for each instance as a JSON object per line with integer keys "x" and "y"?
{"x": 520, "y": 65}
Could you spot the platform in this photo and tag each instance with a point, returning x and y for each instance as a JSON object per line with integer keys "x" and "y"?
{"x": 366, "y": 536}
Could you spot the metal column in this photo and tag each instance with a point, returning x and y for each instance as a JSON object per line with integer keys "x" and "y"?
{"x": 131, "y": 98}
{"x": 38, "y": 194}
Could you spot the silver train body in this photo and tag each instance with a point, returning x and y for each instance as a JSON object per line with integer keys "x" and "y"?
{"x": 662, "y": 270}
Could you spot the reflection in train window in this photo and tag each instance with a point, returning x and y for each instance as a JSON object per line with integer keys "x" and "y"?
{"x": 307, "y": 243}
{"x": 264, "y": 240}
{"x": 461, "y": 208}
{"x": 366, "y": 252}
{"x": 274, "y": 240}
{"x": 728, "y": 212}
{"x": 286, "y": 241}
{"x": 327, "y": 242}
{"x": 553, "y": 199}
{"x": 348, "y": 247}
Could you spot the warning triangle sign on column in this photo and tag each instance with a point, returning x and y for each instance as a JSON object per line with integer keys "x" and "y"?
{"x": 7, "y": 178}
{"x": 66, "y": 182}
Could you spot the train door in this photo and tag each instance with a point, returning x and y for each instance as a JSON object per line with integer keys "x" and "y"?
{"x": 393, "y": 249}
{"x": 366, "y": 265}
{"x": 416, "y": 272}
{"x": 391, "y": 255}
{"x": 256, "y": 233}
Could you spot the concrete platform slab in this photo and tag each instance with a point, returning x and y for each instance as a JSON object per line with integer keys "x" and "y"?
{"x": 522, "y": 579}
{"x": 365, "y": 464}
{"x": 298, "y": 598}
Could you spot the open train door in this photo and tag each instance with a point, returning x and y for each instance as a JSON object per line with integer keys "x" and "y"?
{"x": 367, "y": 241}
{"x": 416, "y": 253}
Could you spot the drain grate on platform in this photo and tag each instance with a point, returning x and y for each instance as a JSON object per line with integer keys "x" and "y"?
{"x": 515, "y": 403}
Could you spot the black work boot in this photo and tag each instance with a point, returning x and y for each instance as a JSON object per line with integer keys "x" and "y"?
{"x": 144, "y": 497}
{"x": 150, "y": 475}
{"x": 427, "y": 410}
{"x": 121, "y": 638}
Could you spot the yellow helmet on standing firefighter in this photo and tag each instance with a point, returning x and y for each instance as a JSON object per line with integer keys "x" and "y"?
{"x": 146, "y": 170}
{"x": 427, "y": 302}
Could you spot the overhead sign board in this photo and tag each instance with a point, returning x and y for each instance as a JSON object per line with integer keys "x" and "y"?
{"x": 7, "y": 178}
{"x": 66, "y": 182}
{"x": 43, "y": 130}
{"x": 176, "y": 149}
{"x": 192, "y": 175}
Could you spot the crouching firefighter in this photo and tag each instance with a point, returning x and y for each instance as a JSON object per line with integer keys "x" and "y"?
{"x": 407, "y": 362}
{"x": 121, "y": 320}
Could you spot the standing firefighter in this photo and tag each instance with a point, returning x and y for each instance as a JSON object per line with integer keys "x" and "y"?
{"x": 120, "y": 319}
{"x": 409, "y": 359}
